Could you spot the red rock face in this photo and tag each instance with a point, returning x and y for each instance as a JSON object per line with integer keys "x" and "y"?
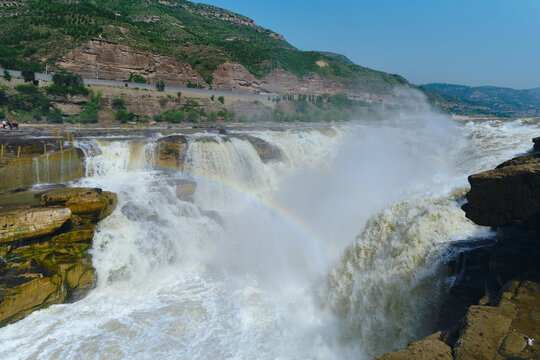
{"x": 117, "y": 62}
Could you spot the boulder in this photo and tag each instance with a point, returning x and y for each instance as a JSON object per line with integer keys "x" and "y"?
{"x": 508, "y": 195}
{"x": 185, "y": 188}
{"x": 512, "y": 345}
{"x": 26, "y": 222}
{"x": 536, "y": 142}
{"x": 267, "y": 152}
{"x": 171, "y": 152}
{"x": 93, "y": 204}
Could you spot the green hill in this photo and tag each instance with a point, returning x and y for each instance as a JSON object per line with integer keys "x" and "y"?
{"x": 38, "y": 31}
{"x": 484, "y": 99}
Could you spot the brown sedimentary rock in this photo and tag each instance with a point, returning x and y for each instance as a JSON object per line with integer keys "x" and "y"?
{"x": 430, "y": 348}
{"x": 94, "y": 204}
{"x": 508, "y": 195}
{"x": 113, "y": 61}
{"x": 171, "y": 152}
{"x": 44, "y": 250}
{"x": 231, "y": 76}
{"x": 23, "y": 222}
{"x": 265, "y": 150}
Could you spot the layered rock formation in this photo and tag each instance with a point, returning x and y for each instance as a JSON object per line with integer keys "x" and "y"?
{"x": 44, "y": 249}
{"x": 500, "y": 287}
{"x": 113, "y": 61}
{"x": 40, "y": 160}
{"x": 508, "y": 195}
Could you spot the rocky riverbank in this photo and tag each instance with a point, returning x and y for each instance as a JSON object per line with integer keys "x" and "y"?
{"x": 499, "y": 293}
{"x": 44, "y": 242}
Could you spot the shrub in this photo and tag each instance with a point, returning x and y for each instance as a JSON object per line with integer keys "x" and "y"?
{"x": 136, "y": 78}
{"x": 28, "y": 98}
{"x": 55, "y": 116}
{"x": 65, "y": 83}
{"x": 193, "y": 116}
{"x": 118, "y": 103}
{"x": 173, "y": 116}
{"x": 160, "y": 85}
{"x": 90, "y": 110}
{"x": 212, "y": 97}
{"x": 226, "y": 114}
{"x": 221, "y": 99}
{"x": 28, "y": 75}
{"x": 7, "y": 75}
{"x": 123, "y": 116}
{"x": 190, "y": 104}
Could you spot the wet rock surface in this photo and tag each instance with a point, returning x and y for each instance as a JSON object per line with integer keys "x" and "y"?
{"x": 44, "y": 249}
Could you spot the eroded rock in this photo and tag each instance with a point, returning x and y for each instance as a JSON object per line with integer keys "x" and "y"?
{"x": 171, "y": 152}
{"x": 267, "y": 152}
{"x": 44, "y": 249}
{"x": 430, "y": 348}
{"x": 91, "y": 203}
{"x": 23, "y": 222}
{"x": 508, "y": 195}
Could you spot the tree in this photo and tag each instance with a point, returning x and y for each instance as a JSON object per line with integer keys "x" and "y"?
{"x": 221, "y": 99}
{"x": 28, "y": 75}
{"x": 67, "y": 79}
{"x": 160, "y": 85}
{"x": 7, "y": 75}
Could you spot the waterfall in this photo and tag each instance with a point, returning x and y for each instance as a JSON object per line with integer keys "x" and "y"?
{"x": 336, "y": 250}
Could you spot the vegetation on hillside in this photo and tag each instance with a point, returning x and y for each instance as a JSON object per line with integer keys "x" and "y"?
{"x": 204, "y": 36}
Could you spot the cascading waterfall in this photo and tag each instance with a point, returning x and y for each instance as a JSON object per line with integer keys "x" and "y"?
{"x": 335, "y": 251}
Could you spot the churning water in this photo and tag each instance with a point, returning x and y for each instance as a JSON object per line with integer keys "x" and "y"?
{"x": 337, "y": 250}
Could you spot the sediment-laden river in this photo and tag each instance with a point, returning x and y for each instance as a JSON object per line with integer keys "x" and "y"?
{"x": 335, "y": 248}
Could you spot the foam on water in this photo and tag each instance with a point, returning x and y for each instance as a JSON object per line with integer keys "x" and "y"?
{"x": 337, "y": 251}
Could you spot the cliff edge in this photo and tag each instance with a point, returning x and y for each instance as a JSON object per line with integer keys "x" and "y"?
{"x": 500, "y": 286}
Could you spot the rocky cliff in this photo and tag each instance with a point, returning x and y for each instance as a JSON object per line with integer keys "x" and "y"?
{"x": 44, "y": 245}
{"x": 112, "y": 61}
{"x": 499, "y": 291}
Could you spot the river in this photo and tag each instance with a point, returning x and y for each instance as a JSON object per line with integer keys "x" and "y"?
{"x": 338, "y": 250}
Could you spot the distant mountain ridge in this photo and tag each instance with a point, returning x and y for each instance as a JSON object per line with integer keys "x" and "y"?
{"x": 493, "y": 100}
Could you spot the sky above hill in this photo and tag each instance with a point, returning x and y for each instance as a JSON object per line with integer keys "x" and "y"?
{"x": 470, "y": 42}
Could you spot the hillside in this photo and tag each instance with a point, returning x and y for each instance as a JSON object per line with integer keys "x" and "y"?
{"x": 484, "y": 99}
{"x": 213, "y": 47}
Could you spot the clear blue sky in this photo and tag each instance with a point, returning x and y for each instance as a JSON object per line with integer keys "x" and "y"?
{"x": 471, "y": 42}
